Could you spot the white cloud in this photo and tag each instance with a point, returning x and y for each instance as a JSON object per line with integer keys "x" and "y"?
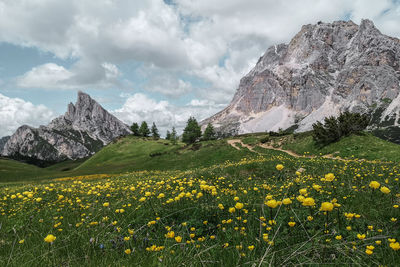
{"x": 168, "y": 86}
{"x": 190, "y": 36}
{"x": 214, "y": 43}
{"x": 15, "y": 112}
{"x": 139, "y": 107}
{"x": 48, "y": 76}
{"x": 53, "y": 76}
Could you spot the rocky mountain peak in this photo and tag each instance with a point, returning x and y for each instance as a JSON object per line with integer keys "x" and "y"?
{"x": 325, "y": 69}
{"x": 367, "y": 25}
{"x": 80, "y": 132}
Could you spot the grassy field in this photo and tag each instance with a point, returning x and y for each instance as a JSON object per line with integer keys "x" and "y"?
{"x": 208, "y": 205}
{"x": 126, "y": 155}
{"x": 133, "y": 154}
{"x": 365, "y": 146}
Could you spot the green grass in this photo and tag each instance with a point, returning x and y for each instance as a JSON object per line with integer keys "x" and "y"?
{"x": 15, "y": 171}
{"x": 133, "y": 154}
{"x": 180, "y": 188}
{"x": 365, "y": 146}
{"x": 126, "y": 155}
{"x": 11, "y": 170}
{"x": 92, "y": 234}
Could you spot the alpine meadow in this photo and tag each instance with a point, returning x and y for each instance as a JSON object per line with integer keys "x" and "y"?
{"x": 153, "y": 166}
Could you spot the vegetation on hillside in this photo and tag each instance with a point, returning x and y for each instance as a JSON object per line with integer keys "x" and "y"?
{"x": 333, "y": 129}
{"x": 192, "y": 131}
{"x": 361, "y": 146}
{"x": 263, "y": 209}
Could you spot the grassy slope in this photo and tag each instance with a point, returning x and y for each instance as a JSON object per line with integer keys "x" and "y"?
{"x": 250, "y": 182}
{"x": 128, "y": 154}
{"x": 131, "y": 154}
{"x": 14, "y": 170}
{"x": 364, "y": 146}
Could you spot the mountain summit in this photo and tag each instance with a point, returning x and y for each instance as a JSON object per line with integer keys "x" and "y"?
{"x": 325, "y": 69}
{"x": 83, "y": 130}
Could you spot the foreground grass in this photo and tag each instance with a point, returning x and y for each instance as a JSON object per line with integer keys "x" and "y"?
{"x": 242, "y": 212}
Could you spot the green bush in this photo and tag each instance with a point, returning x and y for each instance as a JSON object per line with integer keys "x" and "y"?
{"x": 334, "y": 129}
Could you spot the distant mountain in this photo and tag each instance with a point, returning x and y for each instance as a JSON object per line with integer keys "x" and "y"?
{"x": 325, "y": 69}
{"x": 83, "y": 130}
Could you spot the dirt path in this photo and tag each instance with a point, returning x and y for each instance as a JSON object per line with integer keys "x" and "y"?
{"x": 234, "y": 142}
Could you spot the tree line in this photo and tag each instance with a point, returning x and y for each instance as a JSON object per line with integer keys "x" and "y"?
{"x": 191, "y": 133}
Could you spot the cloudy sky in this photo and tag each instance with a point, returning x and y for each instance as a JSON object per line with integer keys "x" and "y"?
{"x": 152, "y": 60}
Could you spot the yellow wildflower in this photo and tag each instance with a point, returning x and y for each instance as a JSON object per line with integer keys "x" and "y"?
{"x": 309, "y": 201}
{"x": 49, "y": 238}
{"x": 326, "y": 206}
{"x": 374, "y": 184}
{"x": 329, "y": 177}
{"x": 385, "y": 190}
{"x": 279, "y": 167}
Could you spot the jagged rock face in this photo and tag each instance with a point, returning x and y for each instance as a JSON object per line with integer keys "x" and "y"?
{"x": 88, "y": 116}
{"x": 79, "y": 133}
{"x": 3, "y": 141}
{"x": 325, "y": 69}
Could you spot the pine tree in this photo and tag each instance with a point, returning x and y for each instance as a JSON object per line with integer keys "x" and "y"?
{"x": 135, "y": 129}
{"x": 334, "y": 129}
{"x": 209, "y": 133}
{"x": 174, "y": 137}
{"x": 154, "y": 131}
{"x": 192, "y": 131}
{"x": 168, "y": 136}
{"x": 144, "y": 129}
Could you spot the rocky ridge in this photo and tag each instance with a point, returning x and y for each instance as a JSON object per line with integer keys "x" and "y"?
{"x": 83, "y": 130}
{"x": 325, "y": 69}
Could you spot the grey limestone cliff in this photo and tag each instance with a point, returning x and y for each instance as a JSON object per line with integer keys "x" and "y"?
{"x": 325, "y": 69}
{"x": 3, "y": 141}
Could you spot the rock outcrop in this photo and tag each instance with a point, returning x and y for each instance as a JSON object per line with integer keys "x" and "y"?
{"x": 3, "y": 141}
{"x": 83, "y": 130}
{"x": 325, "y": 69}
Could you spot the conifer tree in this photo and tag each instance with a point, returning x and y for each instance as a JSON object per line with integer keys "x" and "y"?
{"x": 209, "y": 133}
{"x": 174, "y": 137}
{"x": 135, "y": 129}
{"x": 144, "y": 129}
{"x": 168, "y": 136}
{"x": 154, "y": 131}
{"x": 192, "y": 131}
{"x": 334, "y": 129}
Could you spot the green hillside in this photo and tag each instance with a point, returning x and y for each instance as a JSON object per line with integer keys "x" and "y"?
{"x": 15, "y": 171}
{"x": 129, "y": 154}
{"x": 11, "y": 170}
{"x": 365, "y": 146}
{"x": 133, "y": 154}
{"x": 259, "y": 208}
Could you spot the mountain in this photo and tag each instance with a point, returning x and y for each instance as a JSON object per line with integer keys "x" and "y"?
{"x": 83, "y": 130}
{"x": 3, "y": 141}
{"x": 325, "y": 69}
